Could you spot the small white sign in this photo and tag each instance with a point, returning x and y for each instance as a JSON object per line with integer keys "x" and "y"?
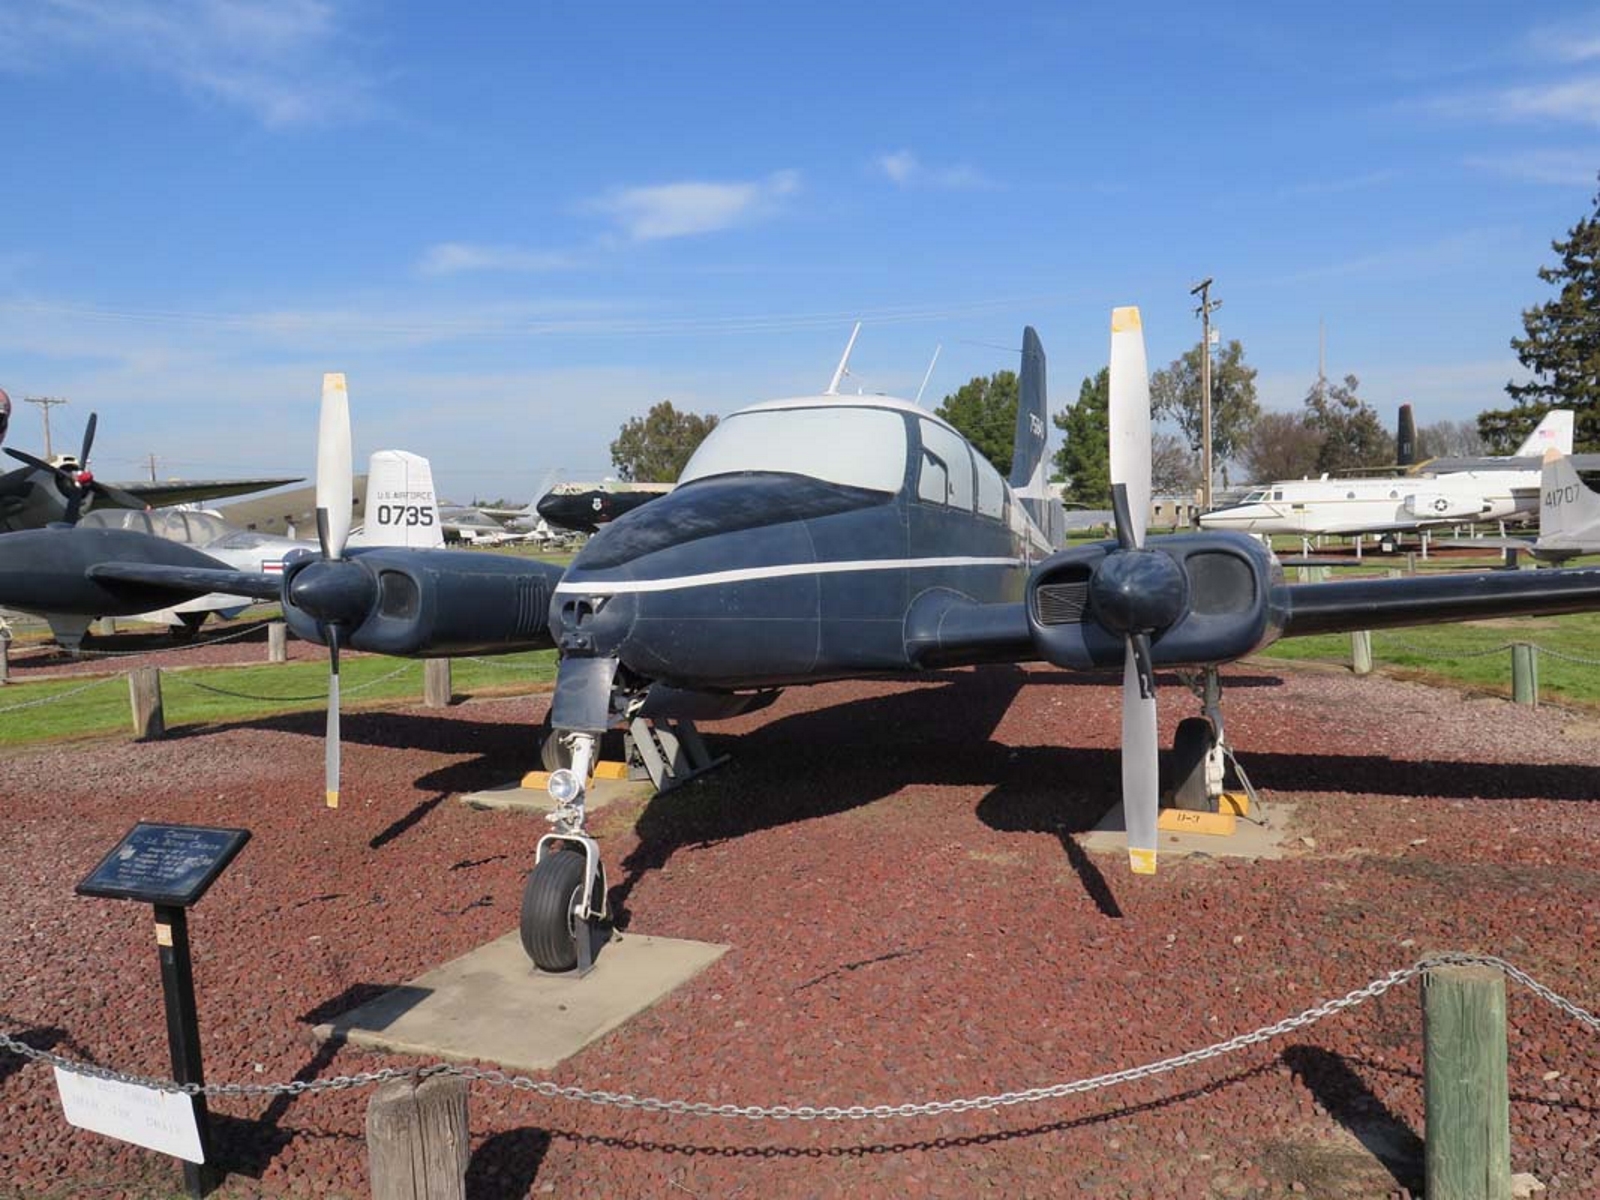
{"x": 146, "y": 1117}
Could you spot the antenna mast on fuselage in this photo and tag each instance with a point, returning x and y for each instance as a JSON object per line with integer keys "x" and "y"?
{"x": 929, "y": 374}
{"x": 844, "y": 363}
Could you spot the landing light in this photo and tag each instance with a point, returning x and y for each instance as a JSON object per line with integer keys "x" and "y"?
{"x": 564, "y": 786}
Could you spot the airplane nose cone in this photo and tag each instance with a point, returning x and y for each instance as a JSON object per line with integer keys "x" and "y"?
{"x": 333, "y": 592}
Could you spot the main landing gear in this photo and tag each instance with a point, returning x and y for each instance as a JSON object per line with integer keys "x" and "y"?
{"x": 1201, "y": 758}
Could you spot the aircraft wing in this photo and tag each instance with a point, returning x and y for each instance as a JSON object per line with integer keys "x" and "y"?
{"x": 163, "y": 493}
{"x": 1352, "y": 604}
{"x": 199, "y": 580}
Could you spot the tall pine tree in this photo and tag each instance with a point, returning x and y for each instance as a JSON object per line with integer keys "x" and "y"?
{"x": 985, "y": 411}
{"x": 1561, "y": 346}
{"x": 1084, "y": 459}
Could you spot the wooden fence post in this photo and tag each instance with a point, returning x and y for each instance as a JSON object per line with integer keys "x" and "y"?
{"x": 5, "y": 658}
{"x": 436, "y": 682}
{"x": 106, "y": 626}
{"x": 1361, "y": 651}
{"x": 1525, "y": 674}
{"x": 417, "y": 1141}
{"x": 1467, "y": 1143}
{"x": 144, "y": 690}
{"x": 277, "y": 642}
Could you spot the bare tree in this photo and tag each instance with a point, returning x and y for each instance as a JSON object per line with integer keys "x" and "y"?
{"x": 1280, "y": 446}
{"x": 1173, "y": 469}
{"x": 1453, "y": 439}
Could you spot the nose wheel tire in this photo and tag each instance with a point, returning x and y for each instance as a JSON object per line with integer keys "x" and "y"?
{"x": 550, "y": 902}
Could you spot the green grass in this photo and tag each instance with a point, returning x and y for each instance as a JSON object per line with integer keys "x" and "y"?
{"x": 1456, "y": 654}
{"x": 97, "y": 707}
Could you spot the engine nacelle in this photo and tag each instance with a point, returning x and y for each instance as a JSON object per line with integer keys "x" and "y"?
{"x": 1442, "y": 506}
{"x": 438, "y": 603}
{"x": 1233, "y": 605}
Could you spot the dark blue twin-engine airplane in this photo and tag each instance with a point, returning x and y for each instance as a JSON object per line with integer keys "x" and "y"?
{"x": 818, "y": 538}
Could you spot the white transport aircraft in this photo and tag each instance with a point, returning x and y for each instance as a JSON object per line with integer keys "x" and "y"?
{"x": 1356, "y": 506}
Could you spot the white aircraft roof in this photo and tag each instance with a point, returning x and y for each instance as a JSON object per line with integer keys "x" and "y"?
{"x": 843, "y": 401}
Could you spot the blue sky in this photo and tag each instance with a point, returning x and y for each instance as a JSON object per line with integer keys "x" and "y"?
{"x": 515, "y": 226}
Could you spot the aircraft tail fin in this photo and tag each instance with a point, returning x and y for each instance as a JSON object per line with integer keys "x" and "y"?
{"x": 402, "y": 509}
{"x": 1028, "y": 465}
{"x": 1569, "y": 512}
{"x": 1552, "y": 433}
{"x": 1405, "y": 438}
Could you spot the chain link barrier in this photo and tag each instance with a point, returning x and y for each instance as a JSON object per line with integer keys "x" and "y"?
{"x": 806, "y": 1112}
{"x": 509, "y": 666}
{"x": 323, "y": 695}
{"x": 197, "y": 644}
{"x": 1420, "y": 652}
{"x": 41, "y": 700}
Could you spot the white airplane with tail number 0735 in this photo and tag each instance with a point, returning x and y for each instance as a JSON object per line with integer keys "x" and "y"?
{"x": 827, "y": 537}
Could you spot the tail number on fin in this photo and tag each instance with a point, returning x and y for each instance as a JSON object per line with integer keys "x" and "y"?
{"x": 1556, "y": 497}
{"x": 405, "y": 514}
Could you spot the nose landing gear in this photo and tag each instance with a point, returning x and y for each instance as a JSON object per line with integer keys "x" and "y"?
{"x": 564, "y": 899}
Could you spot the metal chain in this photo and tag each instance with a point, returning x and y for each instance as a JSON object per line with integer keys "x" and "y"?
{"x": 1409, "y": 648}
{"x": 349, "y": 691}
{"x": 508, "y": 666}
{"x": 807, "y": 1112}
{"x": 1571, "y": 658}
{"x": 93, "y": 683}
{"x": 1537, "y": 649}
{"x": 197, "y": 644}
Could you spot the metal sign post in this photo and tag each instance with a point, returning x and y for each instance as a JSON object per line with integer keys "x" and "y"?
{"x": 171, "y": 866}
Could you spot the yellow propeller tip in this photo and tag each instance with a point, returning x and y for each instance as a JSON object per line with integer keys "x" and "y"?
{"x": 1143, "y": 862}
{"x": 334, "y": 380}
{"x": 333, "y": 799}
{"x": 1125, "y": 319}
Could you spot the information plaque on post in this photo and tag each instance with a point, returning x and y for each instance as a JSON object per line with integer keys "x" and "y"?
{"x": 169, "y": 866}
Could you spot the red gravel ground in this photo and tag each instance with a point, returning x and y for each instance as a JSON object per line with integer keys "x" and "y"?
{"x": 910, "y": 919}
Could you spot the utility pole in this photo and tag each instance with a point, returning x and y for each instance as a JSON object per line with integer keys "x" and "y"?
{"x": 1207, "y": 307}
{"x": 152, "y": 468}
{"x": 46, "y": 403}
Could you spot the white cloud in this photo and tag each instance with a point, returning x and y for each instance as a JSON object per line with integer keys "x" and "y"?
{"x": 1577, "y": 41}
{"x": 1574, "y": 100}
{"x": 672, "y": 210}
{"x": 448, "y": 258}
{"x": 904, "y": 169}
{"x": 1574, "y": 168}
{"x": 279, "y": 60}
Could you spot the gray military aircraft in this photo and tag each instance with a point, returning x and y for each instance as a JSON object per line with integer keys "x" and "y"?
{"x": 810, "y": 539}
{"x": 41, "y": 493}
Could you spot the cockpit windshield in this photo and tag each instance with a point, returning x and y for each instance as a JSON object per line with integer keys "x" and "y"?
{"x": 176, "y": 525}
{"x": 1255, "y": 497}
{"x": 857, "y": 447}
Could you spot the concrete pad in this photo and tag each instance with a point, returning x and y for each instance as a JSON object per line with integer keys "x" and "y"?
{"x": 492, "y": 1005}
{"x": 1250, "y": 838}
{"x": 535, "y": 799}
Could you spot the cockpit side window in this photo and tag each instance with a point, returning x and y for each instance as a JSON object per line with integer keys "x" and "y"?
{"x": 1278, "y": 494}
{"x": 991, "y": 491}
{"x": 945, "y": 473}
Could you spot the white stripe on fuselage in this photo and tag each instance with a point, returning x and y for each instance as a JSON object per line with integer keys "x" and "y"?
{"x": 617, "y": 587}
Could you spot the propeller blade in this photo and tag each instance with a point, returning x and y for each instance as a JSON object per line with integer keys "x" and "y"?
{"x": 334, "y": 472}
{"x": 36, "y": 463}
{"x": 1129, "y": 418}
{"x": 331, "y": 741}
{"x": 1141, "y": 762}
{"x": 88, "y": 439}
{"x": 74, "y": 505}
